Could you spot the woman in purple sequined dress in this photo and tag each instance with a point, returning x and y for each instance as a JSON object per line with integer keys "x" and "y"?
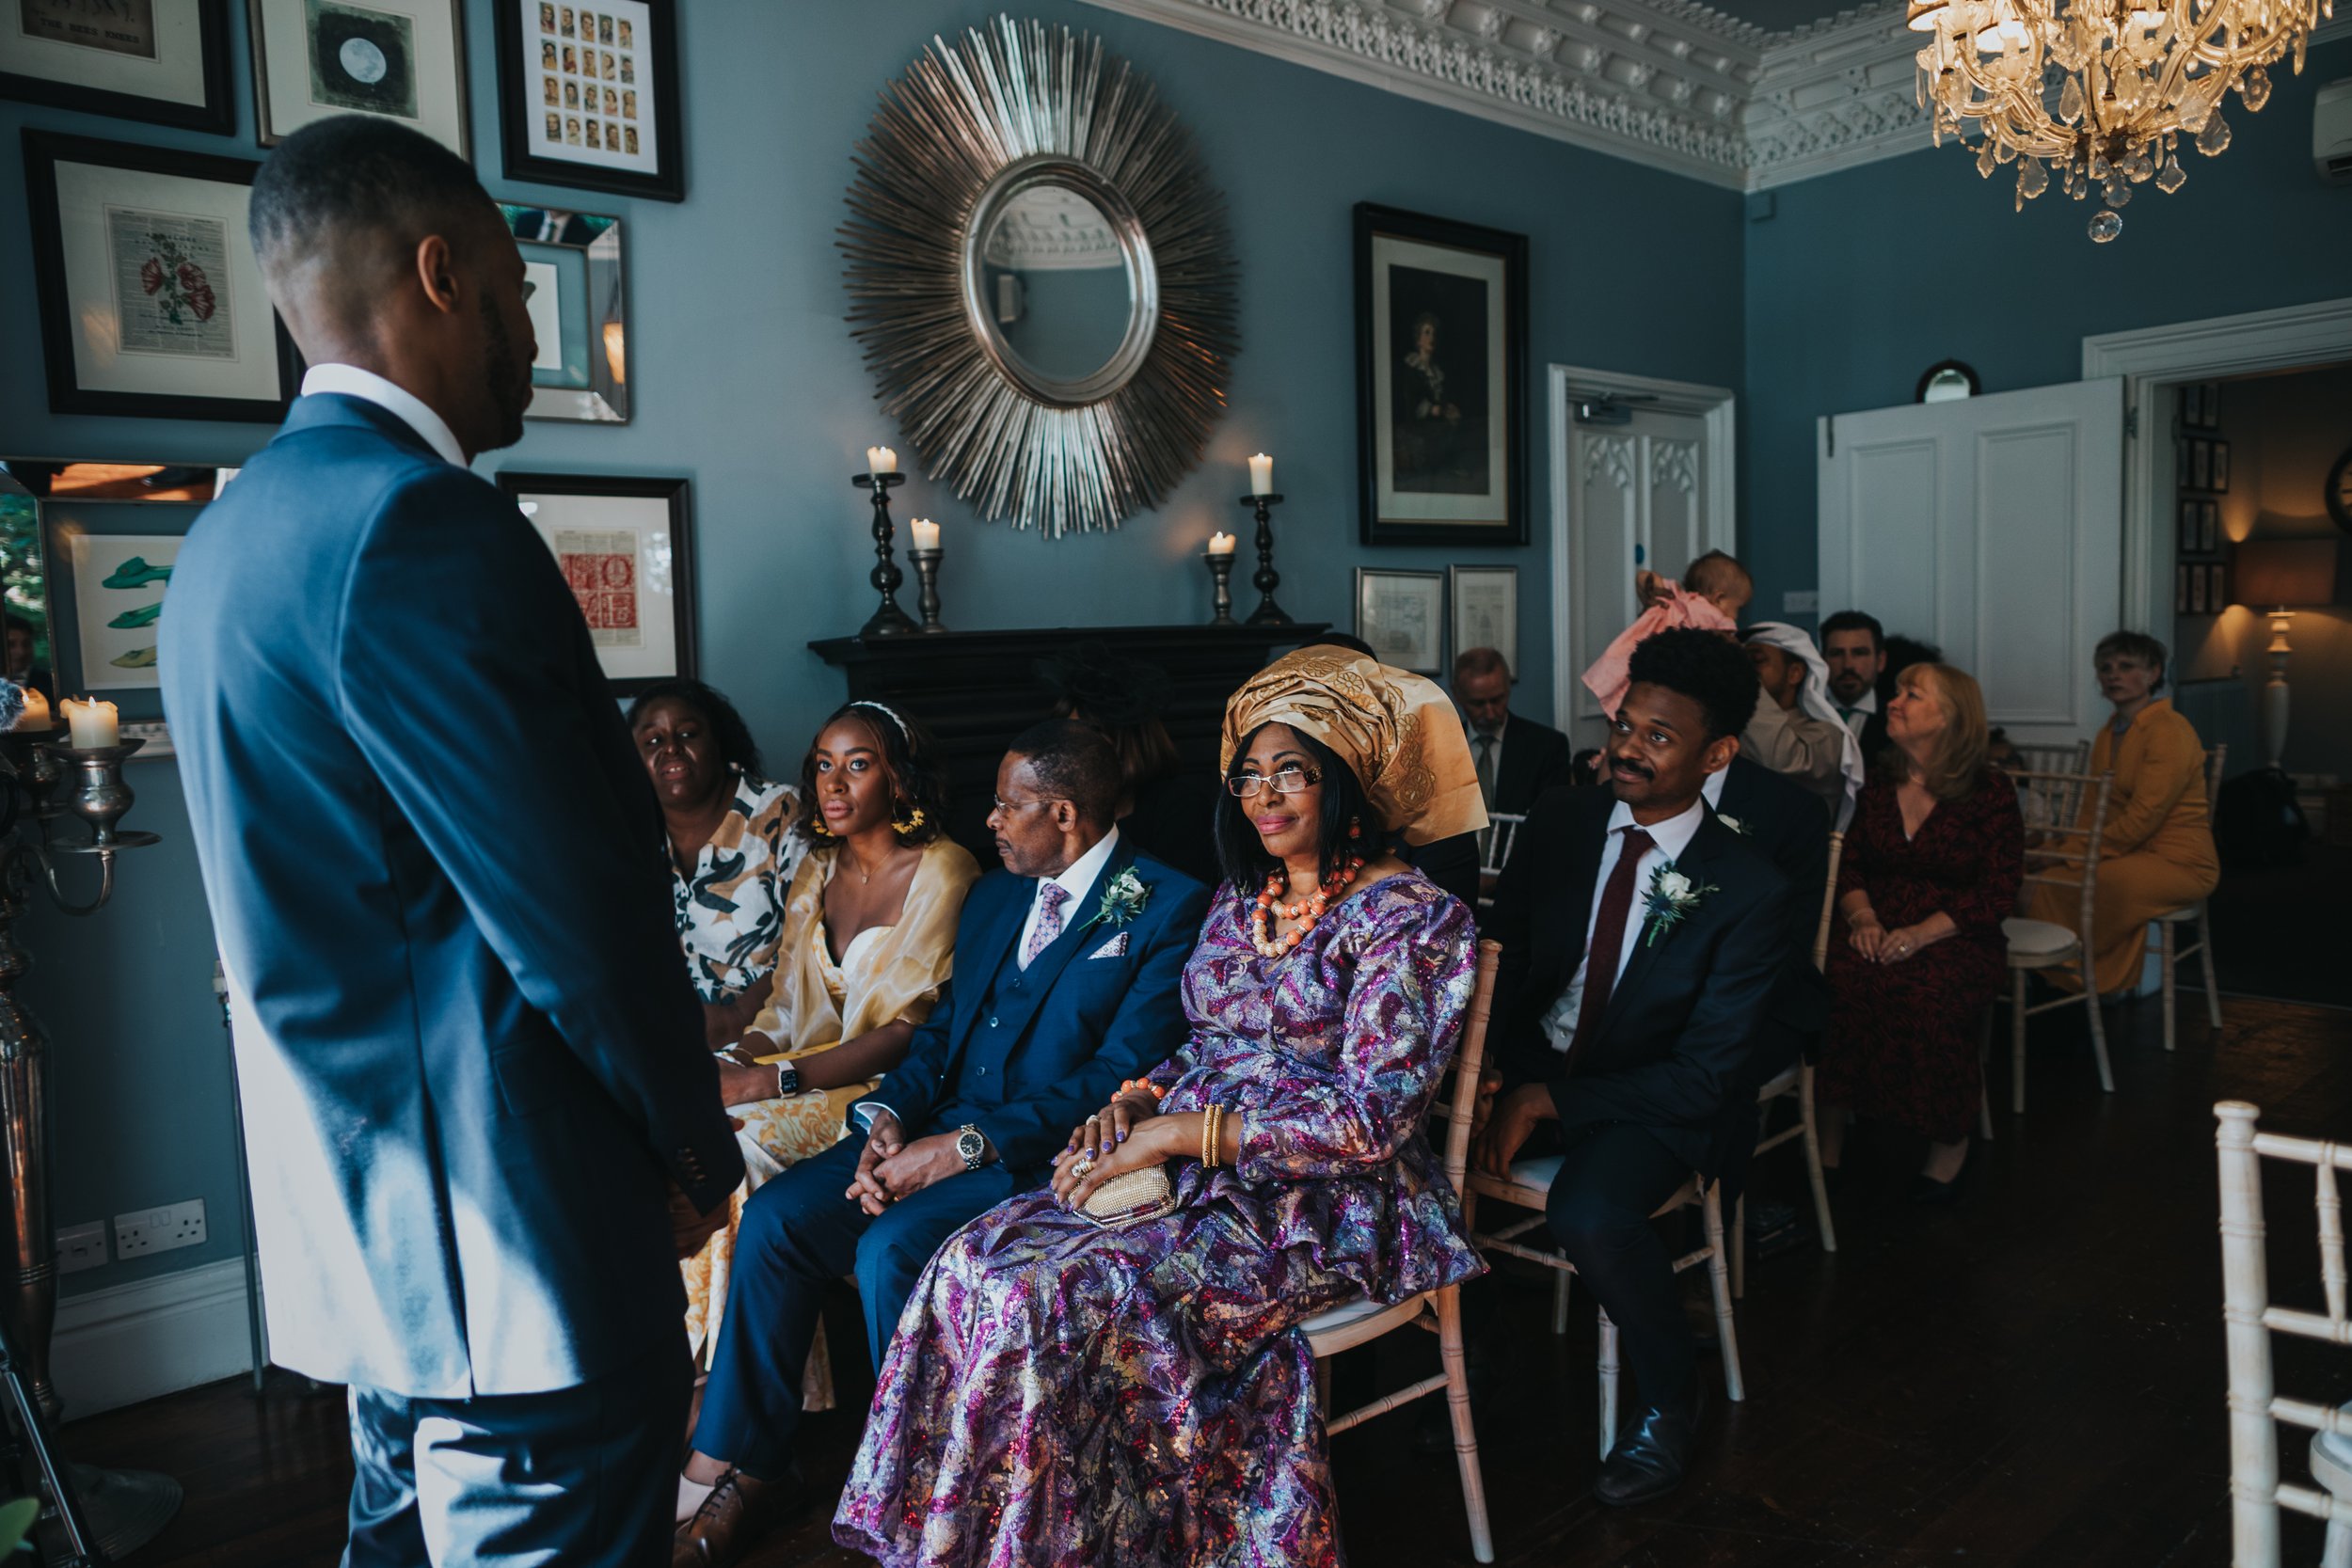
{"x": 1064, "y": 1396}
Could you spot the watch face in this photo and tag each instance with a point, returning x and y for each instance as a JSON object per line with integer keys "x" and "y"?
{"x": 969, "y": 1145}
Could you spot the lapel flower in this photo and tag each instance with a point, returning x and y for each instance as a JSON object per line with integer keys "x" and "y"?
{"x": 1672, "y": 895}
{"x": 1732, "y": 822}
{"x": 1124, "y": 898}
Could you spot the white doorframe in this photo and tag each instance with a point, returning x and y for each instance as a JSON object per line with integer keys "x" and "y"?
{"x": 2295, "y": 338}
{"x": 1716, "y": 406}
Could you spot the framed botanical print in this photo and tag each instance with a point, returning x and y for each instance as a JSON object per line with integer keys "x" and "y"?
{"x": 579, "y": 313}
{"x": 1440, "y": 380}
{"x": 625, "y": 546}
{"x": 150, "y": 296}
{"x": 163, "y": 61}
{"x": 402, "y": 60}
{"x": 588, "y": 95}
{"x": 1402, "y": 614}
{"x": 109, "y": 574}
{"x": 1485, "y": 605}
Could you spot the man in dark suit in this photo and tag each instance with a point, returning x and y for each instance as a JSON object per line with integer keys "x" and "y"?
{"x": 1854, "y": 645}
{"x": 1642, "y": 940}
{"x": 1783, "y": 822}
{"x": 1067, "y": 968}
{"x": 1517, "y": 758}
{"x": 483, "y": 1126}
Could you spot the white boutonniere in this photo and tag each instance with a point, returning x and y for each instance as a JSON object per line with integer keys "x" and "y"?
{"x": 1124, "y": 898}
{"x": 1732, "y": 822}
{"x": 1672, "y": 895}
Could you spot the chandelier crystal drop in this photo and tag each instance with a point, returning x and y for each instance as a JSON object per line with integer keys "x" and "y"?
{"x": 2100, "y": 93}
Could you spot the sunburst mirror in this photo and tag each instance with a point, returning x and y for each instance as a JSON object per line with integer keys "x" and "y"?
{"x": 1041, "y": 277}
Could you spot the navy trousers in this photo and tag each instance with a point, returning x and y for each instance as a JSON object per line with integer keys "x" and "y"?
{"x": 1611, "y": 1179}
{"x": 798, "y": 1233}
{"x": 584, "y": 1477}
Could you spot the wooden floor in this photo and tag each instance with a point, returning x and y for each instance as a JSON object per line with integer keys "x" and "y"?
{"x": 2033, "y": 1377}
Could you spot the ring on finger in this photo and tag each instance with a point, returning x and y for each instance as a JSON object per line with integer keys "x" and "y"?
{"x": 1083, "y": 1169}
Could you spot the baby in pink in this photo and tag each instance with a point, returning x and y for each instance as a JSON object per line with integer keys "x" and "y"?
{"x": 1710, "y": 598}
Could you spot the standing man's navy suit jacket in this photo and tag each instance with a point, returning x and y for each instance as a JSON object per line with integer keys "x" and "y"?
{"x": 1026, "y": 1055}
{"x": 437, "y": 871}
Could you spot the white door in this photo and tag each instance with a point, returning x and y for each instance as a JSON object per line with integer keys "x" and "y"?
{"x": 1992, "y": 527}
{"x": 1640, "y": 494}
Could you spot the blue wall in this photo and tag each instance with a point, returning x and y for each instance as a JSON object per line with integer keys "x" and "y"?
{"x": 747, "y": 382}
{"x": 1861, "y": 280}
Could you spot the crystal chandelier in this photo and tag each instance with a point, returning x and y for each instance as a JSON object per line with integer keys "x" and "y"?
{"x": 2098, "y": 93}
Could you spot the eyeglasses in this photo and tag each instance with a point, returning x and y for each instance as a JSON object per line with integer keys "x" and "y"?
{"x": 1003, "y": 804}
{"x": 1286, "y": 780}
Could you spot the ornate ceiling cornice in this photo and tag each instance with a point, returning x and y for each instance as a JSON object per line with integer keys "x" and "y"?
{"x": 1671, "y": 84}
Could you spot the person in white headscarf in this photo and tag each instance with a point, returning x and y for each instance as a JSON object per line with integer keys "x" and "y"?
{"x": 1796, "y": 729}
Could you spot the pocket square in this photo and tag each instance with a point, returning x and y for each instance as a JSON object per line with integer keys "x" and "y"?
{"x": 1116, "y": 947}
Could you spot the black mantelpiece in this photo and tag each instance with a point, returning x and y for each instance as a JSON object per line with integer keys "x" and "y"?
{"x": 975, "y": 690}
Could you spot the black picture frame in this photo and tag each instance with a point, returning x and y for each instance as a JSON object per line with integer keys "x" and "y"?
{"x": 2186, "y": 542}
{"x": 2180, "y": 588}
{"x": 675, "y": 494}
{"x": 217, "y": 114}
{"x": 109, "y": 525}
{"x": 43, "y": 151}
{"x": 1497, "y": 513}
{"x": 457, "y": 98}
{"x": 518, "y": 31}
{"x": 2219, "y": 460}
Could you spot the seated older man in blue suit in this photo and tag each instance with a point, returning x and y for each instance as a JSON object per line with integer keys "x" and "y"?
{"x": 472, "y": 1066}
{"x": 1067, "y": 967}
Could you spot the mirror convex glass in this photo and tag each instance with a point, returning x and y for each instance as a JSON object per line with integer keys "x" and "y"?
{"x": 1055, "y": 283}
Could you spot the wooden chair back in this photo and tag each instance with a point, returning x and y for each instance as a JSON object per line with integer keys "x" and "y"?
{"x": 2214, "y": 760}
{"x": 2249, "y": 1319}
{"x": 1501, "y": 837}
{"x": 1470, "y": 1063}
{"x": 1829, "y": 902}
{"x": 2071, "y": 843}
{"x": 2059, "y": 803}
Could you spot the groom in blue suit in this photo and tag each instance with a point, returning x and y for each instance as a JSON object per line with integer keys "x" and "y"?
{"x": 1066, "y": 975}
{"x": 483, "y": 1123}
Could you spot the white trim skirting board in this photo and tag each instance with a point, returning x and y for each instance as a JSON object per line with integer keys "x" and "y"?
{"x": 125, "y": 1343}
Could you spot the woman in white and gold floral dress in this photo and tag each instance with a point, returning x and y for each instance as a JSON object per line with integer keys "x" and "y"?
{"x": 869, "y": 940}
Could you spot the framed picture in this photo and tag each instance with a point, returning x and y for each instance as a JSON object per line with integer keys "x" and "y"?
{"x": 2181, "y": 461}
{"x": 1484, "y": 606}
{"x": 1402, "y": 614}
{"x": 2217, "y": 587}
{"x": 579, "y": 313}
{"x": 150, "y": 296}
{"x": 163, "y": 61}
{"x": 588, "y": 95}
{"x": 2208, "y": 527}
{"x": 2219, "y": 457}
{"x": 627, "y": 548}
{"x": 2200, "y": 464}
{"x": 1440, "y": 380}
{"x": 2197, "y": 591}
{"x": 402, "y": 60}
{"x": 2192, "y": 512}
{"x": 2180, "y": 588}
{"x": 2191, "y": 398}
{"x": 109, "y": 567}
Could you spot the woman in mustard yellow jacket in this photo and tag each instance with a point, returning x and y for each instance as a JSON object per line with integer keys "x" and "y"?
{"x": 2156, "y": 853}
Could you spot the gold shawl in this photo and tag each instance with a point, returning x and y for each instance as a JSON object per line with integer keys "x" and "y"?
{"x": 1396, "y": 731}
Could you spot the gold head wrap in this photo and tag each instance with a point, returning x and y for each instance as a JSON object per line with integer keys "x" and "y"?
{"x": 1395, "y": 731}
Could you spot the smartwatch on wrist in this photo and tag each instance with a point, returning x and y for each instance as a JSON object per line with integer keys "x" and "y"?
{"x": 971, "y": 1146}
{"x": 787, "y": 1080}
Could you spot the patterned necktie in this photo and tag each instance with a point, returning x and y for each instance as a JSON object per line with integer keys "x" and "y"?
{"x": 1485, "y": 765}
{"x": 1600, "y": 958}
{"x": 1051, "y": 896}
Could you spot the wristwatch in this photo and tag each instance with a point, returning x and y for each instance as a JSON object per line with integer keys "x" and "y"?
{"x": 971, "y": 1146}
{"x": 787, "y": 1080}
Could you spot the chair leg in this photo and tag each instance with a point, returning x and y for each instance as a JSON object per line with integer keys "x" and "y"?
{"x": 2098, "y": 1022}
{"x": 1457, "y": 1401}
{"x": 1984, "y": 1077}
{"x": 1739, "y": 1249}
{"x": 2166, "y": 960}
{"x": 1813, "y": 1158}
{"x": 1608, "y": 1382}
{"x": 1559, "y": 1299}
{"x": 2017, "y": 1042}
{"x": 2205, "y": 956}
{"x": 2338, "y": 1551}
{"x": 1718, "y": 1276}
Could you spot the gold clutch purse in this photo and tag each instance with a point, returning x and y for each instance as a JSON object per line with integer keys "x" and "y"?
{"x": 1129, "y": 1199}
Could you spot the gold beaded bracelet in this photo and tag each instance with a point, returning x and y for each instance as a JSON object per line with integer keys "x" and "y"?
{"x": 1211, "y": 1134}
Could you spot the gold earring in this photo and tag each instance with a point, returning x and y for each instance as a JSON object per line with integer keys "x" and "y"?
{"x": 914, "y": 820}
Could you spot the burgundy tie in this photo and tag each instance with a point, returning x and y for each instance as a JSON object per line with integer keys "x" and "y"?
{"x": 1600, "y": 958}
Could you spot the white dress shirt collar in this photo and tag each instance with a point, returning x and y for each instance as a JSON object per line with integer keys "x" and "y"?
{"x": 1077, "y": 879}
{"x": 1672, "y": 835}
{"x": 1712, "y": 791}
{"x": 394, "y": 399}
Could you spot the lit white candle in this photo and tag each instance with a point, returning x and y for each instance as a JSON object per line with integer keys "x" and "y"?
{"x": 92, "y": 722}
{"x": 1261, "y": 475}
{"x": 1220, "y": 544}
{"x": 881, "y": 460}
{"x": 926, "y": 533}
{"x": 36, "y": 716}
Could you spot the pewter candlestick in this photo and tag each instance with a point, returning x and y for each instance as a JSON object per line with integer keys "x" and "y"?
{"x": 927, "y": 572}
{"x": 888, "y": 620}
{"x": 1221, "y": 577}
{"x": 1268, "y": 613}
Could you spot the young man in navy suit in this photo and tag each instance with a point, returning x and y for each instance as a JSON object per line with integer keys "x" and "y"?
{"x": 1642, "y": 944}
{"x": 484, "y": 1123}
{"x": 1067, "y": 968}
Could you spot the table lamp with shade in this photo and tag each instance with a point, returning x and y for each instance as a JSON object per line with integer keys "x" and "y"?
{"x": 2276, "y": 577}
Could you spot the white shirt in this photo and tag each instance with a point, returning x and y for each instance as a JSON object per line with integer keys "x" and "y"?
{"x": 1668, "y": 840}
{"x": 1077, "y": 880}
{"x": 397, "y": 401}
{"x": 1864, "y": 706}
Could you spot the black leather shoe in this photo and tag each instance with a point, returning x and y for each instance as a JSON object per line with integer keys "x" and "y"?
{"x": 1648, "y": 1462}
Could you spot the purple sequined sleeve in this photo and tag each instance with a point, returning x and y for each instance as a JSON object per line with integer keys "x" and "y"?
{"x": 1408, "y": 981}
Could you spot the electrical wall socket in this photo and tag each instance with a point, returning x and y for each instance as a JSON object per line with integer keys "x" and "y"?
{"x": 176, "y": 1224}
{"x": 82, "y": 1246}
